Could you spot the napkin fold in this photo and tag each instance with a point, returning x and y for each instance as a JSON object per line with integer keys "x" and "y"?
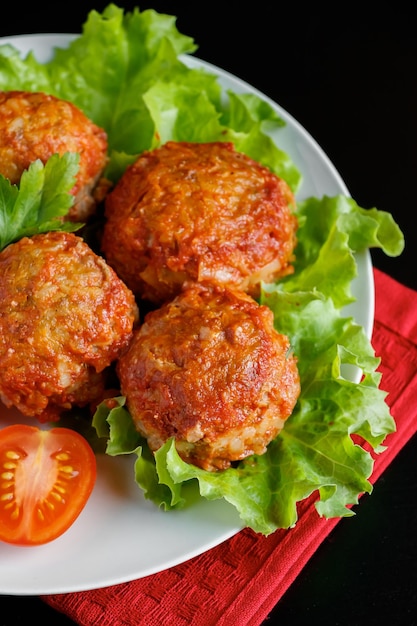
{"x": 227, "y": 585}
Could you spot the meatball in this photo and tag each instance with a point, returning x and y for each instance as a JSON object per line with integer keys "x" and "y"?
{"x": 209, "y": 369}
{"x": 64, "y": 317}
{"x": 199, "y": 212}
{"x": 34, "y": 125}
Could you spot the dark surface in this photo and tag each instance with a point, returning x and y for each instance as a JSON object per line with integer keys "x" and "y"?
{"x": 351, "y": 81}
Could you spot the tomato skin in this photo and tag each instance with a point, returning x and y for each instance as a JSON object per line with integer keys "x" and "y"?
{"x": 46, "y": 478}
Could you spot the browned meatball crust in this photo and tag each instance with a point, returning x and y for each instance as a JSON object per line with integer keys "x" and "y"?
{"x": 64, "y": 317}
{"x": 198, "y": 211}
{"x": 210, "y": 370}
{"x": 35, "y": 125}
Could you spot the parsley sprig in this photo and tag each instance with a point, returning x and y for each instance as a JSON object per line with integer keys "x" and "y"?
{"x": 40, "y": 201}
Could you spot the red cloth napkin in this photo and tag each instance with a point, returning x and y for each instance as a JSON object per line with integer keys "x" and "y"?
{"x": 226, "y": 586}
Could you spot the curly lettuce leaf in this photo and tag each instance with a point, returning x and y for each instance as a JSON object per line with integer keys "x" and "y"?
{"x": 41, "y": 199}
{"x": 127, "y": 72}
{"x": 17, "y": 73}
{"x": 364, "y": 228}
{"x": 331, "y": 230}
{"x": 113, "y": 422}
{"x": 328, "y": 443}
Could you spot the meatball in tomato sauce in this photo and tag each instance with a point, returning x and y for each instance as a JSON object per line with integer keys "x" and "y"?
{"x": 36, "y": 125}
{"x": 65, "y": 316}
{"x": 209, "y": 370}
{"x": 199, "y": 212}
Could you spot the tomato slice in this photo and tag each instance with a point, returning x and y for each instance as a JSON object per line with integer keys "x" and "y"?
{"x": 46, "y": 478}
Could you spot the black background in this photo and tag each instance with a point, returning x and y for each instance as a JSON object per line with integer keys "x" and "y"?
{"x": 350, "y": 78}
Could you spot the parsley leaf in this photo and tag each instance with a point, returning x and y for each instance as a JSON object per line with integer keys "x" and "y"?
{"x": 40, "y": 201}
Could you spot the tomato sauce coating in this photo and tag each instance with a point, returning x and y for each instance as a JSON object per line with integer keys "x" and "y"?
{"x": 200, "y": 212}
{"x": 209, "y": 369}
{"x": 64, "y": 317}
{"x": 35, "y": 125}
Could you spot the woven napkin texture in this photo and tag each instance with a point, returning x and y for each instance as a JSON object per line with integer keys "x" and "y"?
{"x": 241, "y": 580}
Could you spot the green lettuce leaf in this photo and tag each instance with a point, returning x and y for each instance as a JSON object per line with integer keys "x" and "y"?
{"x": 114, "y": 423}
{"x": 127, "y": 72}
{"x": 331, "y": 231}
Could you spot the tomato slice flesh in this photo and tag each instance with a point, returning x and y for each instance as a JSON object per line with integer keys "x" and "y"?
{"x": 46, "y": 478}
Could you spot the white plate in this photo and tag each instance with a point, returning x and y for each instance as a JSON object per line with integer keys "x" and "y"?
{"x": 120, "y": 536}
